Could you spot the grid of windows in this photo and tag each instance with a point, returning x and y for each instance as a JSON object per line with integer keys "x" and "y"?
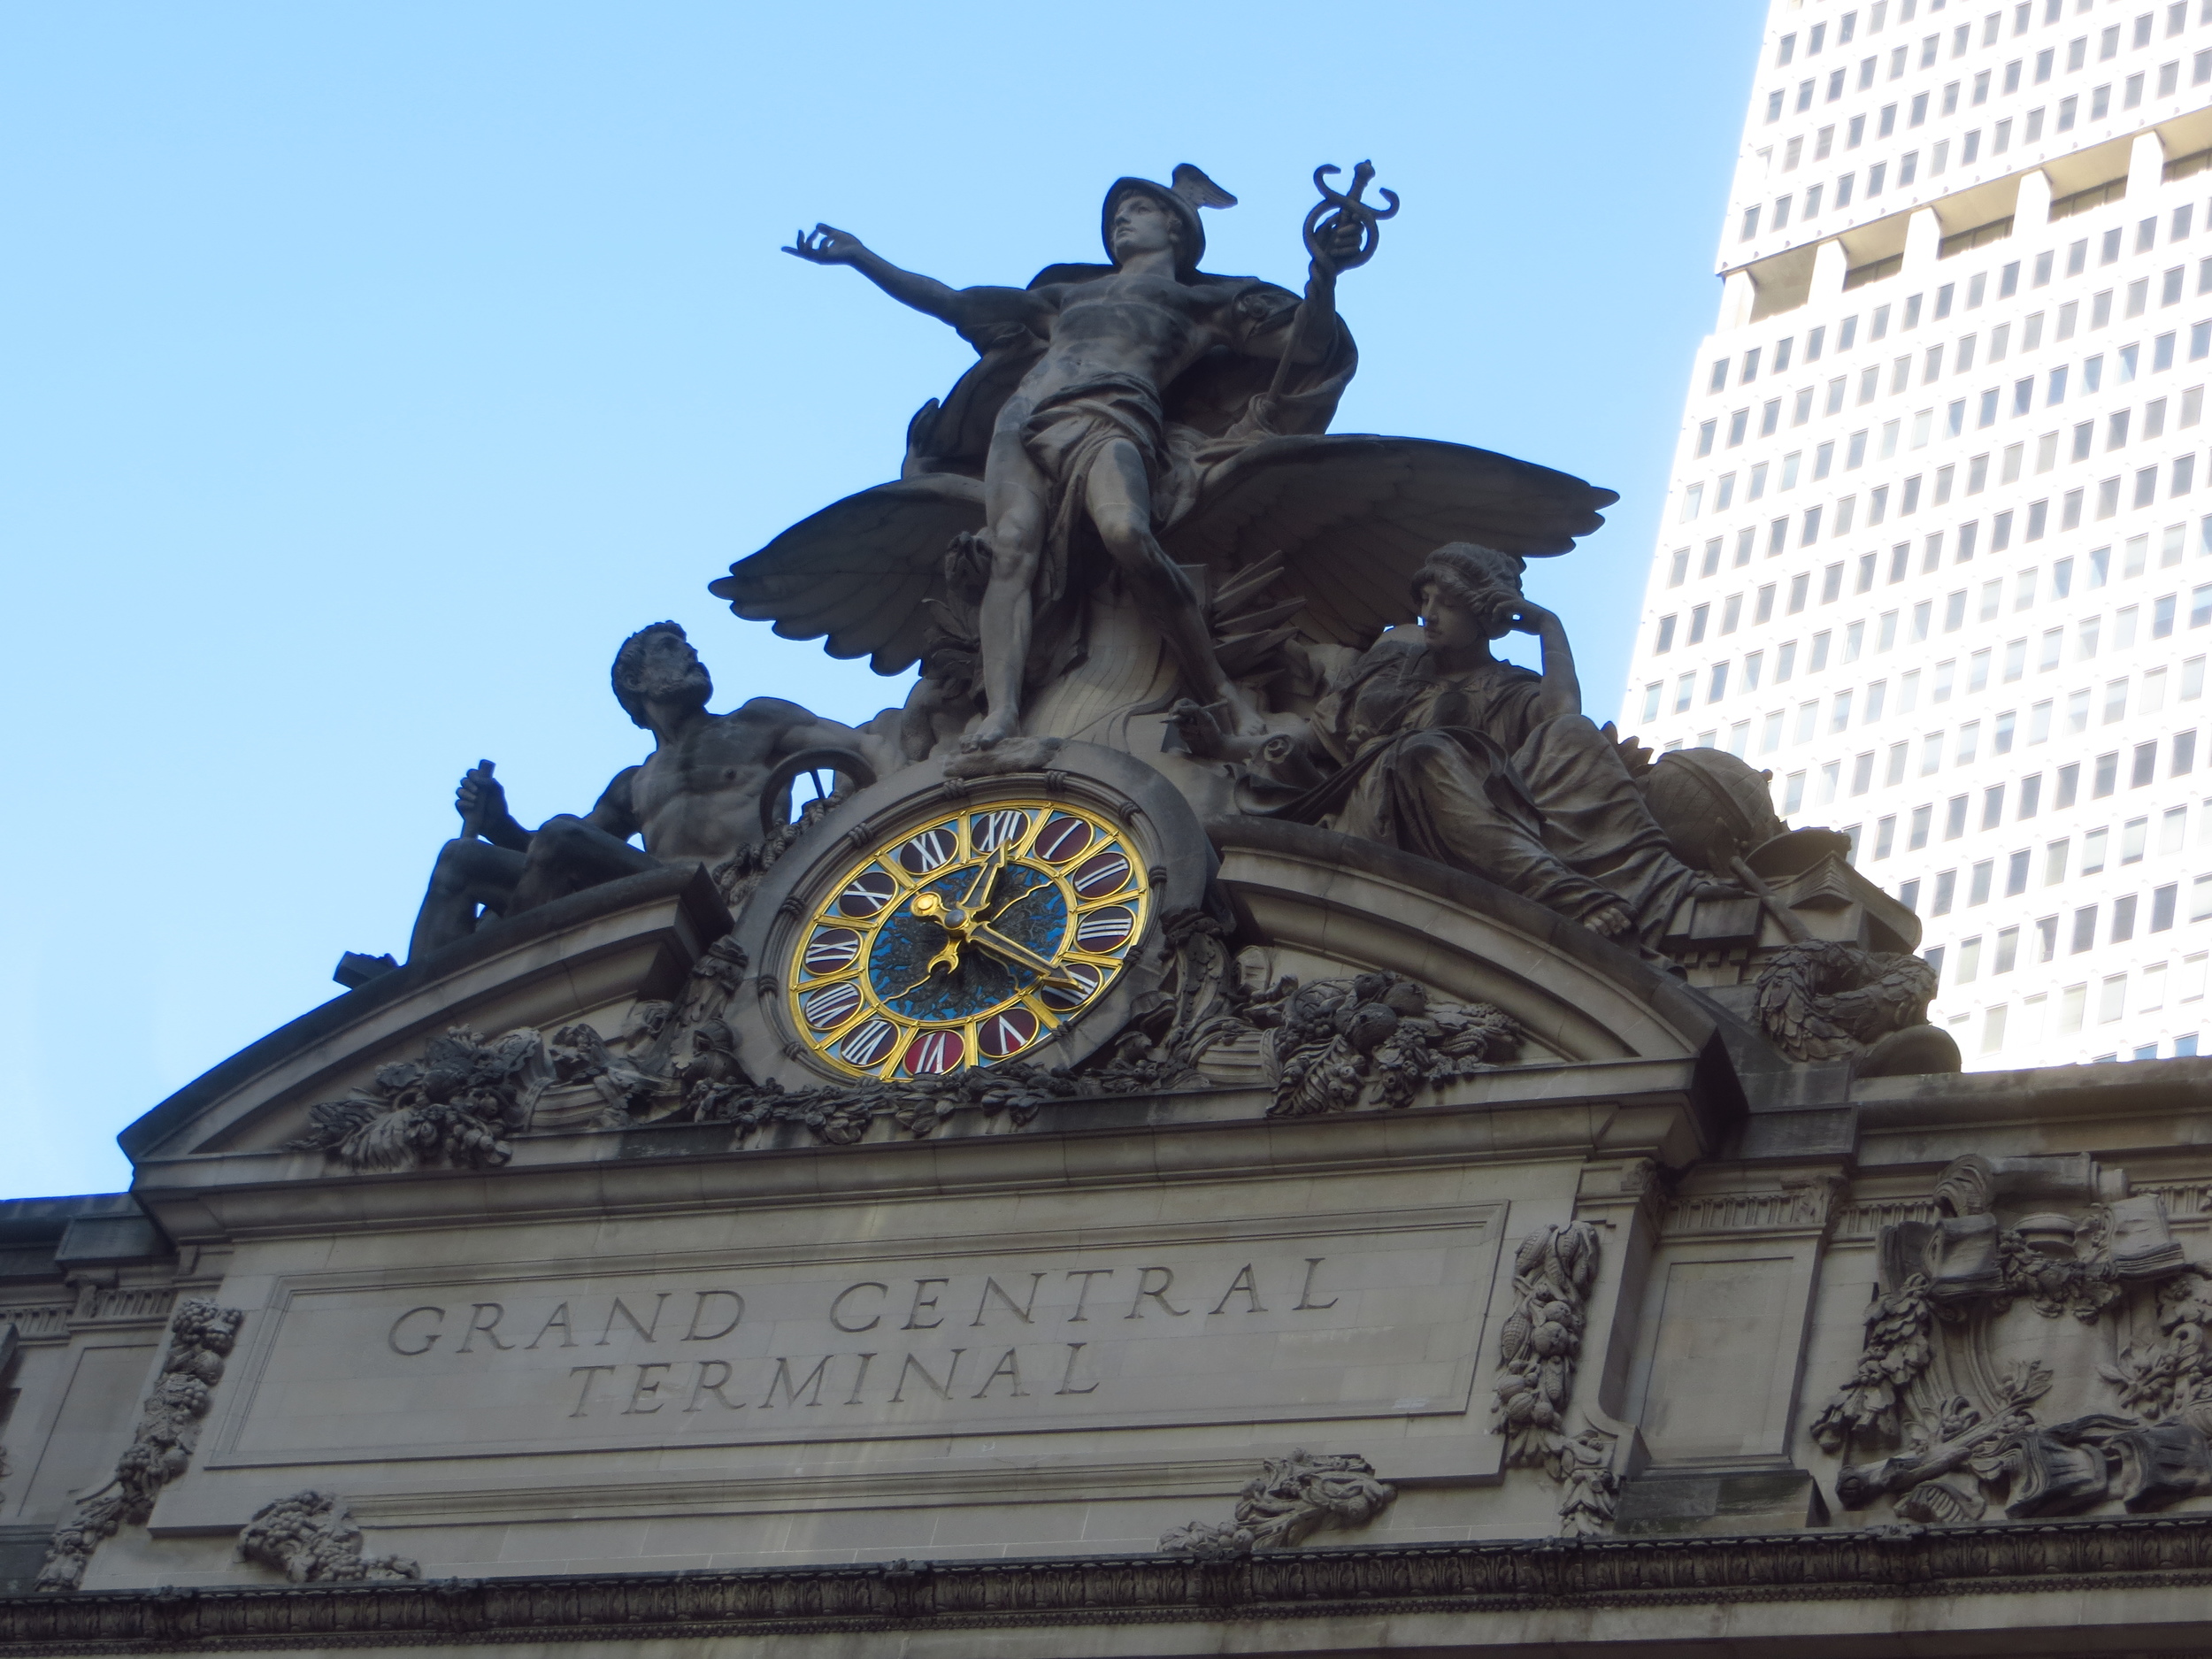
{"x": 1854, "y": 114}
{"x": 1939, "y": 550}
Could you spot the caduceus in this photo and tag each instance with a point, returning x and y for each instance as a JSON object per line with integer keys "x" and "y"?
{"x": 1341, "y": 235}
{"x": 1336, "y": 214}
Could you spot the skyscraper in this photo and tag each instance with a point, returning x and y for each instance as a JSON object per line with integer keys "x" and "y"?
{"x": 1937, "y": 548}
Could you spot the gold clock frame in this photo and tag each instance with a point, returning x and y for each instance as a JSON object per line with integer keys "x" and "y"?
{"x": 849, "y": 1028}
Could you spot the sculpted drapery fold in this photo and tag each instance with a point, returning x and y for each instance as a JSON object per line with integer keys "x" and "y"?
{"x": 1464, "y": 769}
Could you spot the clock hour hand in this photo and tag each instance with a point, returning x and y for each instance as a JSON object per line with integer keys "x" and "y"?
{"x": 1021, "y": 956}
{"x": 980, "y": 888}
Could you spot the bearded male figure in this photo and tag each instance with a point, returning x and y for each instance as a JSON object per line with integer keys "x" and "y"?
{"x": 1125, "y": 376}
{"x": 696, "y": 799}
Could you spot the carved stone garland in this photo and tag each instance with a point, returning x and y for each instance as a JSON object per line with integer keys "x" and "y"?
{"x": 311, "y": 1538}
{"x": 1376, "y": 1040}
{"x": 201, "y": 1336}
{"x": 1373, "y": 1040}
{"x": 456, "y": 1105}
{"x": 1290, "y": 1500}
{"x": 1821, "y": 1000}
{"x": 1537, "y": 1350}
{"x": 461, "y": 1100}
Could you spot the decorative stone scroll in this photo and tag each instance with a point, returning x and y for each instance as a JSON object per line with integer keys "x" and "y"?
{"x": 201, "y": 1336}
{"x": 1288, "y": 1502}
{"x": 311, "y": 1538}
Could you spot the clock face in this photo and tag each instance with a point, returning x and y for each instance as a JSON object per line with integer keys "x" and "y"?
{"x": 967, "y": 940}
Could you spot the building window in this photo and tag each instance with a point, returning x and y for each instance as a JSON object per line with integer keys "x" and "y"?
{"x": 2112, "y": 998}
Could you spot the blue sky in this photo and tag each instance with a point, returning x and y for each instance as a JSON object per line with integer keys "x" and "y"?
{"x": 369, "y": 371}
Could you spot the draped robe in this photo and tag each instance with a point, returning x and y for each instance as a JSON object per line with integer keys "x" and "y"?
{"x": 1463, "y": 769}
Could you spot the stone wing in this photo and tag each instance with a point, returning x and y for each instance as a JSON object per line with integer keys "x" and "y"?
{"x": 1354, "y": 516}
{"x": 859, "y": 570}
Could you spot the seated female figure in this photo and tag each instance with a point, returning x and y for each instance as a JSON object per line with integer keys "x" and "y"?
{"x": 1439, "y": 749}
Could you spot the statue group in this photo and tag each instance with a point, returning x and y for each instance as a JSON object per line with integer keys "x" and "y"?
{"x": 1138, "y": 470}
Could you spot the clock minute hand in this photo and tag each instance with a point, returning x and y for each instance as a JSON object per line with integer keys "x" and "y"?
{"x": 999, "y": 945}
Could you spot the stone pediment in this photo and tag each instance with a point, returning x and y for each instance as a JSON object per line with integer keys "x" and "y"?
{"x": 589, "y": 957}
{"x": 1329, "y": 899}
{"x": 1297, "y": 903}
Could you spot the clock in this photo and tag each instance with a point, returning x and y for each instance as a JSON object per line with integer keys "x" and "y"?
{"x": 968, "y": 938}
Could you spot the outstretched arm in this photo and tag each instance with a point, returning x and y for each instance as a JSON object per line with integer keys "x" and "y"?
{"x": 1563, "y": 691}
{"x": 968, "y": 310}
{"x": 798, "y": 729}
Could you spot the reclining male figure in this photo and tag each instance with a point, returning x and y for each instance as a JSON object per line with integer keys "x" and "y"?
{"x": 696, "y": 799}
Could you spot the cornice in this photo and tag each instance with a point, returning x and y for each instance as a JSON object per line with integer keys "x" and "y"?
{"x": 920, "y": 1596}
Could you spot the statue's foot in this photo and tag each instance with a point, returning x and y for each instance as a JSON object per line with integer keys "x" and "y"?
{"x": 1609, "y": 921}
{"x": 994, "y": 730}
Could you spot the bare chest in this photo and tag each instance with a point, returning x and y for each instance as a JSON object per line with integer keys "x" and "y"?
{"x": 1138, "y": 321}
{"x": 716, "y": 769}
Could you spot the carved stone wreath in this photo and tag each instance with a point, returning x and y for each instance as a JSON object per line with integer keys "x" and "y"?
{"x": 1825, "y": 1001}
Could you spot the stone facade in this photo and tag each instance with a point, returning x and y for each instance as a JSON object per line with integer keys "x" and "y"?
{"x": 1766, "y": 1323}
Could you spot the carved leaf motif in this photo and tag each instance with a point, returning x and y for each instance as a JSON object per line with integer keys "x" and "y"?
{"x": 456, "y": 1105}
{"x": 1895, "y": 1353}
{"x": 312, "y": 1538}
{"x": 2025, "y": 1382}
{"x": 1289, "y": 1501}
{"x": 1375, "y": 1039}
{"x": 1824, "y": 1000}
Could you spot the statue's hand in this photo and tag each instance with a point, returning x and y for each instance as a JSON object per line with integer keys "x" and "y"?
{"x": 1530, "y": 618}
{"x": 1337, "y": 240}
{"x": 825, "y": 244}
{"x": 479, "y": 800}
{"x": 1205, "y": 736}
